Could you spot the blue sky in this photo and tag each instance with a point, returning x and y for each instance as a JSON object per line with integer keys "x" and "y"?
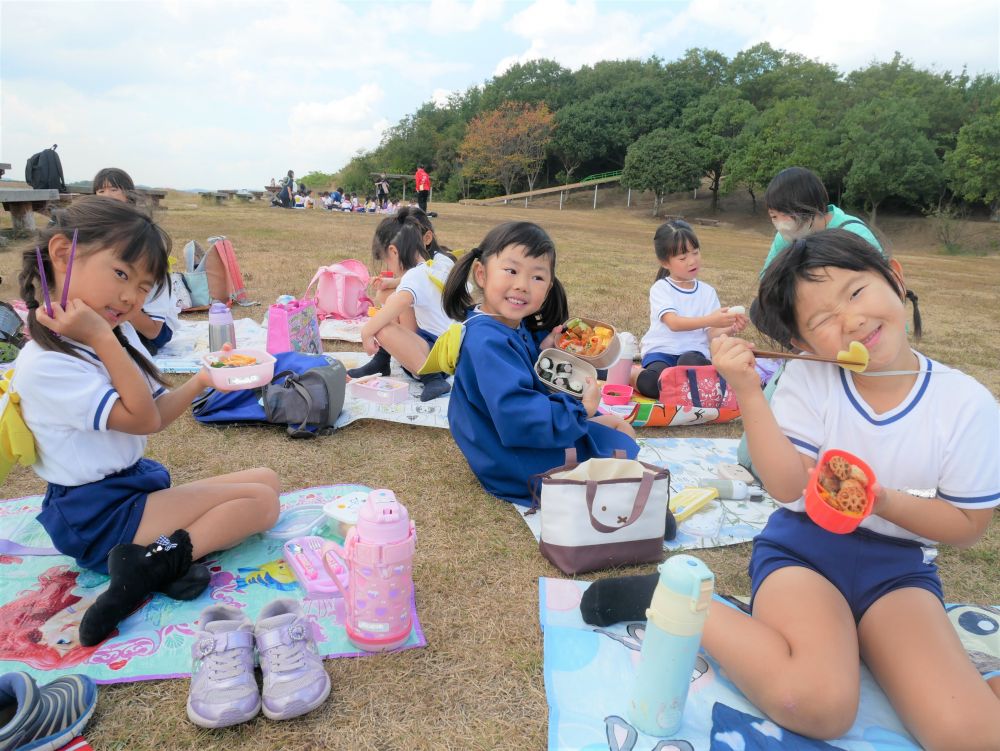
{"x": 200, "y": 93}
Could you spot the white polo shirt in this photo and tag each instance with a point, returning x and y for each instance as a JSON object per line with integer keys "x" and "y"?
{"x": 66, "y": 402}
{"x": 942, "y": 440}
{"x": 667, "y": 297}
{"x": 161, "y": 305}
{"x": 423, "y": 282}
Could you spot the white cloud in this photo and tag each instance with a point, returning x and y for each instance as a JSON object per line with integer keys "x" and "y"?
{"x": 444, "y": 17}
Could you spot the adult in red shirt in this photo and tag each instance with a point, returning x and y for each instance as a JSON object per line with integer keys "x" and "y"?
{"x": 423, "y": 181}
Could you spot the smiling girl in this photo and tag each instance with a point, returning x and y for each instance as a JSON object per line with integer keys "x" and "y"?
{"x": 90, "y": 397}
{"x": 503, "y": 418}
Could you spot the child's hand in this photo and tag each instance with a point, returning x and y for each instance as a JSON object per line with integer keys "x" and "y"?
{"x": 78, "y": 321}
{"x": 553, "y": 337}
{"x": 591, "y": 396}
{"x": 741, "y": 323}
{"x": 368, "y": 341}
{"x": 735, "y": 361}
{"x": 722, "y": 319}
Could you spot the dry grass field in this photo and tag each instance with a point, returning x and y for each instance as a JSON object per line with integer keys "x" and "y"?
{"x": 478, "y": 684}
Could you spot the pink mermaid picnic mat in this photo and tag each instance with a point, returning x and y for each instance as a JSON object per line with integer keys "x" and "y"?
{"x": 43, "y": 597}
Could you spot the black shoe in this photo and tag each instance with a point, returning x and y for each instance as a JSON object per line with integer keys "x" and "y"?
{"x": 136, "y": 572}
{"x": 378, "y": 365}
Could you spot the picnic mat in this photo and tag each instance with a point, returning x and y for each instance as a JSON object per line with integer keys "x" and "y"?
{"x": 589, "y": 675}
{"x": 431, "y": 414}
{"x": 345, "y": 331}
{"x": 721, "y": 522}
{"x": 642, "y": 412}
{"x": 183, "y": 353}
{"x": 43, "y": 599}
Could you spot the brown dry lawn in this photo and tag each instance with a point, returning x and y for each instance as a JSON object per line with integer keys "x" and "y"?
{"x": 478, "y": 684}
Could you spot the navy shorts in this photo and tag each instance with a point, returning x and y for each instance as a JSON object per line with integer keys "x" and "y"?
{"x": 670, "y": 360}
{"x": 428, "y": 337}
{"x": 863, "y": 565}
{"x": 86, "y": 521}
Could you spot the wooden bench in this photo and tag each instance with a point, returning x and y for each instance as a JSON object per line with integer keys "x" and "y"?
{"x": 694, "y": 220}
{"x": 22, "y": 203}
{"x": 4, "y": 168}
{"x": 219, "y": 198}
{"x": 154, "y": 195}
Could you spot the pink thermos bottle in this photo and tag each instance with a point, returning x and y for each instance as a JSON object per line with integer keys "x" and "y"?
{"x": 379, "y": 551}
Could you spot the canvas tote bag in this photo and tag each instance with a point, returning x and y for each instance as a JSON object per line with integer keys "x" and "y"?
{"x": 603, "y": 513}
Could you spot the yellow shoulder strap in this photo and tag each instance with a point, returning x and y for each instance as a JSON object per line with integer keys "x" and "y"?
{"x": 17, "y": 444}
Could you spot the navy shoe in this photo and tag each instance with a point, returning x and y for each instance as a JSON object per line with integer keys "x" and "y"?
{"x": 46, "y": 718}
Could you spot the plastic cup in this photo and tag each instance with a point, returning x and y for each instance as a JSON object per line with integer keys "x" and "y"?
{"x": 825, "y": 515}
{"x": 615, "y": 394}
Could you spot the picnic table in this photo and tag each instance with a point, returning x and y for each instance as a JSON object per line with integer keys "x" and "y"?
{"x": 258, "y": 194}
{"x": 22, "y": 203}
{"x": 72, "y": 191}
{"x": 4, "y": 168}
{"x": 272, "y": 188}
{"x": 228, "y": 193}
{"x": 244, "y": 195}
{"x": 218, "y": 197}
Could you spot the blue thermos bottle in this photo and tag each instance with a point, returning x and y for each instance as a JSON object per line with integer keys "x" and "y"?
{"x": 674, "y": 623}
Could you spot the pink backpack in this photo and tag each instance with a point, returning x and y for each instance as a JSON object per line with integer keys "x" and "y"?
{"x": 341, "y": 290}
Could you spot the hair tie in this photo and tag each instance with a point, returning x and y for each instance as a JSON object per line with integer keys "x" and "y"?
{"x": 31, "y": 304}
{"x": 476, "y": 252}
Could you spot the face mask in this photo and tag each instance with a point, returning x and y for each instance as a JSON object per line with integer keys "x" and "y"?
{"x": 790, "y": 230}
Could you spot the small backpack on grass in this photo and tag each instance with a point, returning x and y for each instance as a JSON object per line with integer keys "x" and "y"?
{"x": 306, "y": 395}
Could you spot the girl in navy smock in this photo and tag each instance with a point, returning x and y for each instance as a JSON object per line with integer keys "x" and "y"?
{"x": 90, "y": 395}
{"x": 503, "y": 418}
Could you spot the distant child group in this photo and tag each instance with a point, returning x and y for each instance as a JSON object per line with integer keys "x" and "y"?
{"x": 91, "y": 395}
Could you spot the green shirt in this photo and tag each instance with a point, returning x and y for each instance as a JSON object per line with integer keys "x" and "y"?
{"x": 838, "y": 219}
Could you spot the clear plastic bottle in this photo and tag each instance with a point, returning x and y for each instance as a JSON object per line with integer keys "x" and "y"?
{"x": 221, "y": 328}
{"x": 675, "y": 619}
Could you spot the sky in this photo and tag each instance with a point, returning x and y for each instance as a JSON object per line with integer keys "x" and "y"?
{"x": 227, "y": 95}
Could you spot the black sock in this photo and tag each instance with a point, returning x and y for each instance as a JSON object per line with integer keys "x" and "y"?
{"x": 378, "y": 365}
{"x": 136, "y": 572}
{"x": 189, "y": 586}
{"x": 435, "y": 385}
{"x": 647, "y": 382}
{"x": 624, "y": 598}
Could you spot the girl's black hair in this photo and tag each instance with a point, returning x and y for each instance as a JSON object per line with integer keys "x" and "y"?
{"x": 797, "y": 192}
{"x": 457, "y": 299}
{"x": 425, "y": 226}
{"x": 116, "y": 178}
{"x": 671, "y": 239}
{"x": 804, "y": 260}
{"x": 102, "y": 223}
{"x": 408, "y": 240}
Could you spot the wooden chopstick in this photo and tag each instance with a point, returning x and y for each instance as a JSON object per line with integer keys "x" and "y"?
{"x": 797, "y": 356}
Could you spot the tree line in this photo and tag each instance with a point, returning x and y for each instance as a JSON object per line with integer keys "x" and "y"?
{"x": 889, "y": 134}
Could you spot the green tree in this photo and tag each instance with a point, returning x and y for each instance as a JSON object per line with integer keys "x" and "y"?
{"x": 973, "y": 168}
{"x": 886, "y": 145}
{"x": 766, "y": 75}
{"x": 533, "y": 82}
{"x": 793, "y": 133}
{"x": 663, "y": 161}
{"x": 715, "y": 120}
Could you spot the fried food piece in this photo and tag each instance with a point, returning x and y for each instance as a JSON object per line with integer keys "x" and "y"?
{"x": 852, "y": 497}
{"x": 840, "y": 467}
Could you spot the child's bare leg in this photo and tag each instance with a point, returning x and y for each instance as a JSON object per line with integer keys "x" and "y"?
{"x": 615, "y": 423}
{"x": 216, "y": 513}
{"x": 405, "y": 345}
{"x": 917, "y": 658}
{"x": 797, "y": 657}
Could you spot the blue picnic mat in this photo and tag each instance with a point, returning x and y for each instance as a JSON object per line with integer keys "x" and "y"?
{"x": 590, "y": 671}
{"x": 42, "y": 599}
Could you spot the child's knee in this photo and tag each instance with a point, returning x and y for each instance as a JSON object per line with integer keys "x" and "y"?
{"x": 269, "y": 477}
{"x": 821, "y": 711}
{"x": 626, "y": 428}
{"x": 269, "y": 506}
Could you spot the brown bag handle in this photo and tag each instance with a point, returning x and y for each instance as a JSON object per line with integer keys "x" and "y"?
{"x": 638, "y": 506}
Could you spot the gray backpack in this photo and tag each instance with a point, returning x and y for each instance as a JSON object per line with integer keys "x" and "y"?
{"x": 308, "y": 403}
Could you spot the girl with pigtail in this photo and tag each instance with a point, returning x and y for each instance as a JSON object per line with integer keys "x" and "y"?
{"x": 502, "y": 416}
{"x": 90, "y": 396}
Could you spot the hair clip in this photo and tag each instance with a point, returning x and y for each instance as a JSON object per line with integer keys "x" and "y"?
{"x": 45, "y": 282}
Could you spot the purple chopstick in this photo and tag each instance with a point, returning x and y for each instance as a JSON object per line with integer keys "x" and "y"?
{"x": 45, "y": 283}
{"x": 69, "y": 272}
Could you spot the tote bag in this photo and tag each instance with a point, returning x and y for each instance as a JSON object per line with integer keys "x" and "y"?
{"x": 603, "y": 513}
{"x": 696, "y": 386}
{"x": 293, "y": 327}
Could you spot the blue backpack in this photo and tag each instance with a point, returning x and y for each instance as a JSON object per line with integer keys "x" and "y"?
{"x": 306, "y": 395}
